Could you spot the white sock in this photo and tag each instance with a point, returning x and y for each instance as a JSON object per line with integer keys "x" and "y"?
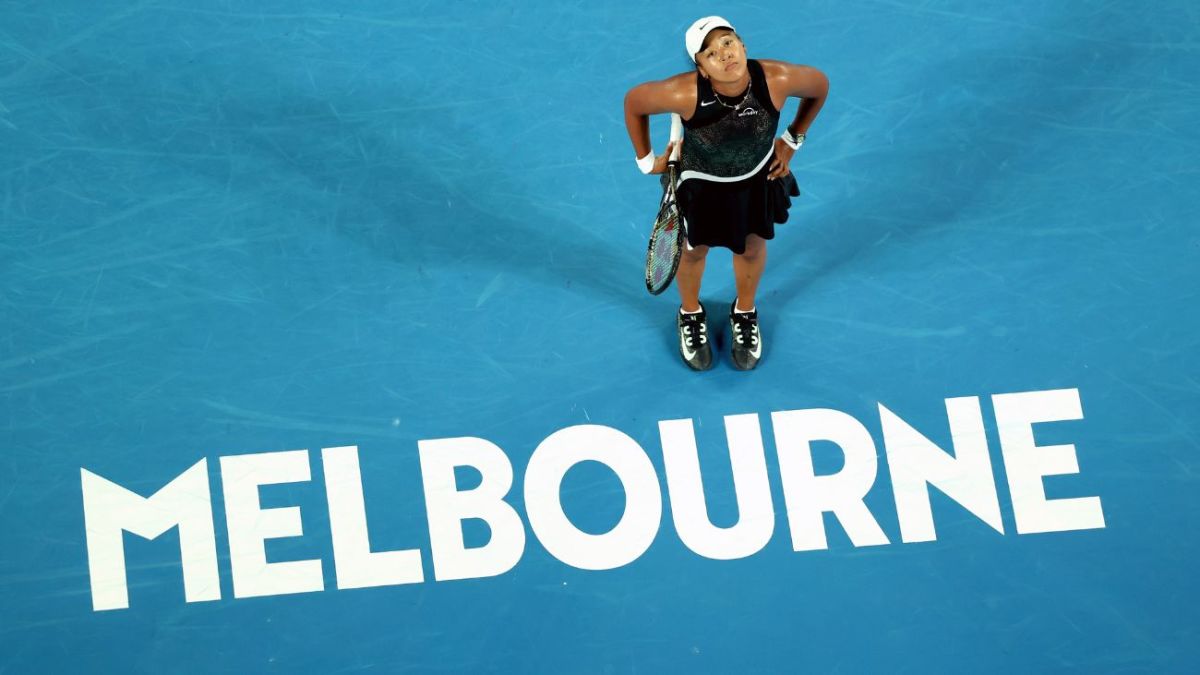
{"x": 742, "y": 311}
{"x": 682, "y": 311}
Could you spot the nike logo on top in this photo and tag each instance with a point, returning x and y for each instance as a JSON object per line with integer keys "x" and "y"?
{"x": 706, "y": 103}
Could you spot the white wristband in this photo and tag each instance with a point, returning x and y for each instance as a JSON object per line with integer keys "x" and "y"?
{"x": 646, "y": 164}
{"x": 793, "y": 142}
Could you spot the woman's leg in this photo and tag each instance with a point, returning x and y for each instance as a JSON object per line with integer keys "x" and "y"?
{"x": 747, "y": 270}
{"x": 688, "y": 276}
{"x": 694, "y": 347}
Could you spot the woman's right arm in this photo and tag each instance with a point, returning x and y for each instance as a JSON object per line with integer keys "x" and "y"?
{"x": 651, "y": 98}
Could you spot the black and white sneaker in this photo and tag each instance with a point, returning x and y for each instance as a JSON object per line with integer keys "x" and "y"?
{"x": 746, "y": 343}
{"x": 693, "y": 340}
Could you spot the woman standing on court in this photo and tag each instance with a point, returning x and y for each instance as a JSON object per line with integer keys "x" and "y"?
{"x": 735, "y": 184}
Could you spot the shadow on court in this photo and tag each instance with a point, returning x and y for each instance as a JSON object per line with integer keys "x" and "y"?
{"x": 946, "y": 159}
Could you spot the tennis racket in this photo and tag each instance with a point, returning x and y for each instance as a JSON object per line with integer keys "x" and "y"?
{"x": 667, "y": 237}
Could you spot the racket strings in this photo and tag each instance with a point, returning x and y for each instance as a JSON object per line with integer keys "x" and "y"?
{"x": 666, "y": 240}
{"x": 665, "y": 250}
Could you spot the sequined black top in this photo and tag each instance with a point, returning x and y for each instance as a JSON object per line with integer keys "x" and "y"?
{"x": 728, "y": 139}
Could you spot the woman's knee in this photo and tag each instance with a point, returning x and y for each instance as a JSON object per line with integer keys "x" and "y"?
{"x": 756, "y": 247}
{"x": 695, "y": 254}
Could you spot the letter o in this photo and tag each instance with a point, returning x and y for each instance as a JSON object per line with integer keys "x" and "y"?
{"x": 638, "y": 526}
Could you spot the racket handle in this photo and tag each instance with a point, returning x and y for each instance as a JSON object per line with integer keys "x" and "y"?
{"x": 676, "y": 134}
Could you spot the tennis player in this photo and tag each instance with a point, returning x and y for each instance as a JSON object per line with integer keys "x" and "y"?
{"x": 735, "y": 183}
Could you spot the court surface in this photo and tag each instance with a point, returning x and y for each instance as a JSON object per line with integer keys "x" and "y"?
{"x": 239, "y": 228}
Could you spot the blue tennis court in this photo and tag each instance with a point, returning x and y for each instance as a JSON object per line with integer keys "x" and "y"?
{"x": 344, "y": 303}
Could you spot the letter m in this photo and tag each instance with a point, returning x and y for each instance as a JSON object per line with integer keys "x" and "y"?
{"x": 109, "y": 510}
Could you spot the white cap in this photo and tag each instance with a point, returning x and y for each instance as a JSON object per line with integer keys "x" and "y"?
{"x": 694, "y": 38}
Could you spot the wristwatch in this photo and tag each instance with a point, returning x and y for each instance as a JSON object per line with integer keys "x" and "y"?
{"x": 794, "y": 141}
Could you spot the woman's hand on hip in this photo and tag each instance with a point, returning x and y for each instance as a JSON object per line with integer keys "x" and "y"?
{"x": 779, "y": 163}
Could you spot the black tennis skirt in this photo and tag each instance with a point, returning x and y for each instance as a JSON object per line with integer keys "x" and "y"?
{"x": 723, "y": 214}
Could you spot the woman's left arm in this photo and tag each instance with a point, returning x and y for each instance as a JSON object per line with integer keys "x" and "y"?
{"x": 811, "y": 87}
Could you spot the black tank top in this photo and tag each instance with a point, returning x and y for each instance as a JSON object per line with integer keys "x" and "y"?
{"x": 729, "y": 139}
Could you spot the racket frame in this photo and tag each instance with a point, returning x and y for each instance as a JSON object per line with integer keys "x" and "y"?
{"x": 668, "y": 203}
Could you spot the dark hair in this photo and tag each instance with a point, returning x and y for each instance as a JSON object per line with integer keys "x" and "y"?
{"x": 708, "y": 38}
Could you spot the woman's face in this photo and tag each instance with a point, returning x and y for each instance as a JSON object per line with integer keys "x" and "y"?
{"x": 723, "y": 58}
